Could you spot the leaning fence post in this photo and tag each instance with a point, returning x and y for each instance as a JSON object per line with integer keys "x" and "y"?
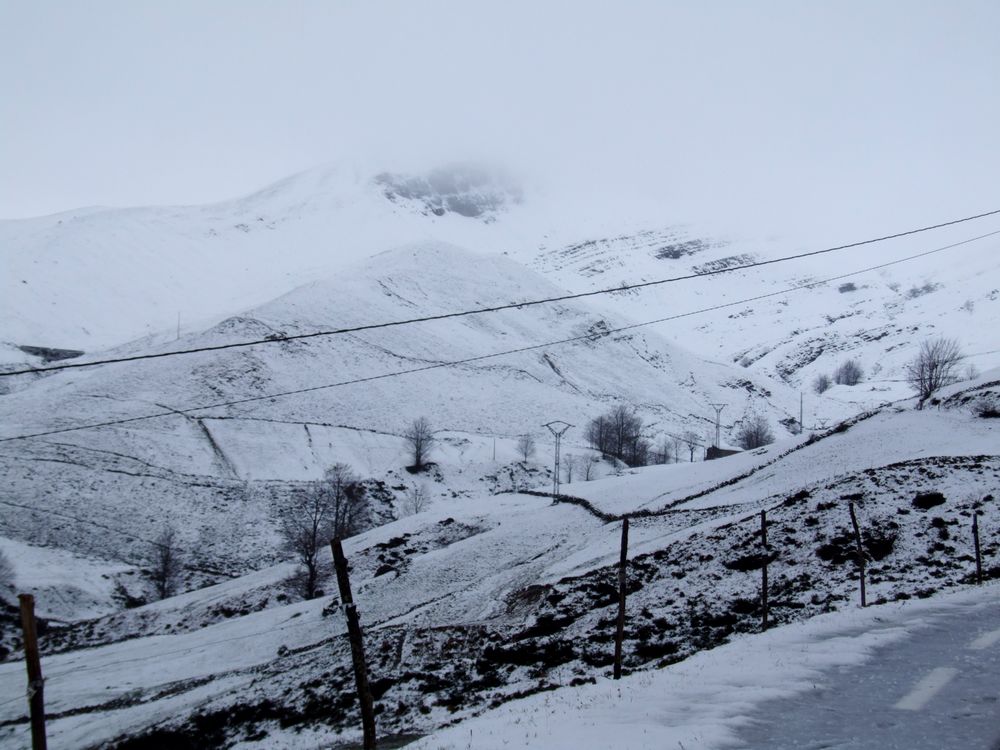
{"x": 975, "y": 541}
{"x": 357, "y": 645}
{"x": 861, "y": 551}
{"x": 36, "y": 699}
{"x": 620, "y": 630}
{"x": 763, "y": 571}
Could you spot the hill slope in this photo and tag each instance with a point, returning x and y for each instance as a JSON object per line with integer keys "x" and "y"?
{"x": 193, "y": 469}
{"x": 877, "y": 318}
{"x": 485, "y": 599}
{"x": 96, "y": 277}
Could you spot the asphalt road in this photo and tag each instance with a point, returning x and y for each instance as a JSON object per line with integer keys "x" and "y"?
{"x": 938, "y": 689}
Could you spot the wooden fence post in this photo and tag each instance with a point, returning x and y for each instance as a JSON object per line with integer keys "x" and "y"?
{"x": 975, "y": 541}
{"x": 763, "y": 571}
{"x": 620, "y": 630}
{"x": 357, "y": 645}
{"x": 36, "y": 699}
{"x": 861, "y": 552}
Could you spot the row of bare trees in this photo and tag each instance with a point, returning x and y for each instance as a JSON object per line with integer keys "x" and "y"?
{"x": 618, "y": 434}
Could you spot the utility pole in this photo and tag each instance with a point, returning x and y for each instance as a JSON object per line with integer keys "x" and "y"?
{"x": 802, "y": 425}
{"x": 557, "y": 428}
{"x": 718, "y": 411}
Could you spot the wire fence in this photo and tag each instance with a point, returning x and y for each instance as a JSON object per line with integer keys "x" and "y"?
{"x": 754, "y": 559}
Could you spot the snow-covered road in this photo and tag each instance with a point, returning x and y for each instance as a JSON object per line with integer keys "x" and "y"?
{"x": 937, "y": 688}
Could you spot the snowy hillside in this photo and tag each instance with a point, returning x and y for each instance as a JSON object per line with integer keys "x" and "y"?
{"x": 219, "y": 473}
{"x": 877, "y": 318}
{"x": 96, "y": 277}
{"x": 494, "y": 591}
{"x": 485, "y": 599}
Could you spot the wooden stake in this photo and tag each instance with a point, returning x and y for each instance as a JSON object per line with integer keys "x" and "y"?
{"x": 861, "y": 552}
{"x": 763, "y": 571}
{"x": 975, "y": 540}
{"x": 620, "y": 630}
{"x": 36, "y": 700}
{"x": 357, "y": 646}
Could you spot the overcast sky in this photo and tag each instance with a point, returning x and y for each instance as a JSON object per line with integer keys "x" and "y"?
{"x": 746, "y": 111}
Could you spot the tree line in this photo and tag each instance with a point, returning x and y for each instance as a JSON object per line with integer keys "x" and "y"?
{"x": 618, "y": 434}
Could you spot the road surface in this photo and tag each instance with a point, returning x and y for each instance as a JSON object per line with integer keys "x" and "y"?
{"x": 936, "y": 690}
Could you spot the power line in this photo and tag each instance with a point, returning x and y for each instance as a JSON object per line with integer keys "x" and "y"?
{"x": 469, "y": 360}
{"x": 276, "y": 338}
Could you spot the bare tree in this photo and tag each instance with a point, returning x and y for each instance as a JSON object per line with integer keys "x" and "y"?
{"x": 316, "y": 513}
{"x": 421, "y": 439}
{"x": 626, "y": 428}
{"x": 676, "y": 444}
{"x": 598, "y": 433}
{"x": 165, "y": 562}
{"x": 569, "y": 463}
{"x": 346, "y": 496}
{"x": 662, "y": 454}
{"x": 526, "y": 446}
{"x": 690, "y": 438}
{"x": 754, "y": 432}
{"x": 416, "y": 499}
{"x": 849, "y": 373}
{"x": 822, "y": 383}
{"x": 589, "y": 467}
{"x": 935, "y": 366}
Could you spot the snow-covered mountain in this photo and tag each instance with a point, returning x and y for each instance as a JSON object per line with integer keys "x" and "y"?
{"x": 492, "y": 592}
{"x": 876, "y": 317}
{"x": 193, "y": 468}
{"x": 96, "y": 277}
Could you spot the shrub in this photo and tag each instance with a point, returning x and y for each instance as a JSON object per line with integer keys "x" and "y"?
{"x": 986, "y": 407}
{"x": 928, "y": 500}
{"x": 849, "y": 373}
{"x": 821, "y": 383}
